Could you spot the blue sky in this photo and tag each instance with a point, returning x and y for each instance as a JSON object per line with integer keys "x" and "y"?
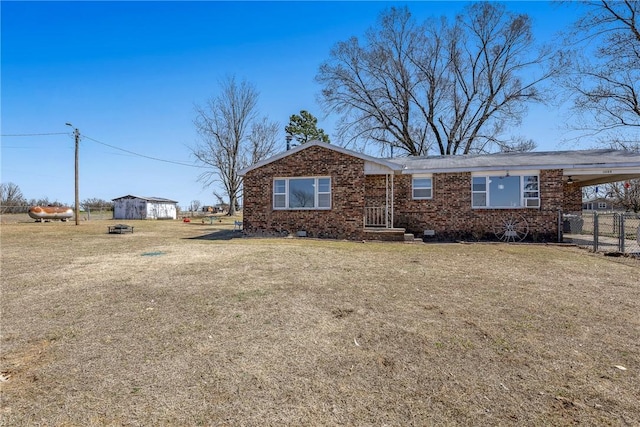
{"x": 128, "y": 74}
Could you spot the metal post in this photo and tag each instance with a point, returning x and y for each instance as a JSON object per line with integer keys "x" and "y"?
{"x": 392, "y": 201}
{"x": 560, "y": 235}
{"x": 386, "y": 201}
{"x": 621, "y": 245}
{"x": 595, "y": 232}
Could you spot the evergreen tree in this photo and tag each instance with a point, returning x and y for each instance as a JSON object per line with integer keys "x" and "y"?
{"x": 304, "y": 128}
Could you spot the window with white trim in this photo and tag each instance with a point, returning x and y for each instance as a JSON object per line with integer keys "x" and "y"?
{"x": 602, "y": 205}
{"x": 422, "y": 187}
{"x": 506, "y": 191}
{"x": 302, "y": 193}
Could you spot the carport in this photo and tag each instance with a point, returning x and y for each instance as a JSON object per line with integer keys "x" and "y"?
{"x": 611, "y": 232}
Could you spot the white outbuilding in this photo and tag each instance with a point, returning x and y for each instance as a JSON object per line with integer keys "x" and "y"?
{"x": 136, "y": 207}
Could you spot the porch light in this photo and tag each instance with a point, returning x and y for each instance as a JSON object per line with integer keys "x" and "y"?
{"x": 570, "y": 180}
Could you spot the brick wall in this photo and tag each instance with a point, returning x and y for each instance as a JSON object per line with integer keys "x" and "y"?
{"x": 572, "y": 198}
{"x": 343, "y": 221}
{"x": 375, "y": 190}
{"x": 449, "y": 213}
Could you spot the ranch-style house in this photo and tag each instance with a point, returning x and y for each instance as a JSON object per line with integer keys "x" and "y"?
{"x": 323, "y": 190}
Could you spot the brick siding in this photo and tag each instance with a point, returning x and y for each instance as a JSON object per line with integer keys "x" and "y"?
{"x": 448, "y": 213}
{"x": 343, "y": 221}
{"x": 572, "y": 198}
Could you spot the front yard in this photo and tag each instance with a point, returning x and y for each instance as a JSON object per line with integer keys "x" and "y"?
{"x": 191, "y": 324}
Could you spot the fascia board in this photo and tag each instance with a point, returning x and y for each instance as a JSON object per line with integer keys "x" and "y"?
{"x": 573, "y": 168}
{"x": 391, "y": 165}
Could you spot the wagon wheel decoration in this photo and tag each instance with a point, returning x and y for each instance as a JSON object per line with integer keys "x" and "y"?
{"x": 512, "y": 228}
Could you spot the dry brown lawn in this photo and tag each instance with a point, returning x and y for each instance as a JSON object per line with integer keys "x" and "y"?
{"x": 189, "y": 324}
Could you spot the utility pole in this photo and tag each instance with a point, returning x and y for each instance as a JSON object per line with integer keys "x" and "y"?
{"x": 76, "y": 134}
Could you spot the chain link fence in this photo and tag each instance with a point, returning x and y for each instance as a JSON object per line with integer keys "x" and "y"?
{"x": 604, "y": 232}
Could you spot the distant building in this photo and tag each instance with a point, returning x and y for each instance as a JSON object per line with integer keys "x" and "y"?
{"x": 212, "y": 209}
{"x": 604, "y": 204}
{"x": 136, "y": 207}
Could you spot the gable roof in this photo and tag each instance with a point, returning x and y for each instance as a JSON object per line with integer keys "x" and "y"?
{"x": 588, "y": 167}
{"x": 147, "y": 199}
{"x": 383, "y": 162}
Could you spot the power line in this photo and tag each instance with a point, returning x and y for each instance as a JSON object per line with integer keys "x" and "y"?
{"x": 35, "y": 134}
{"x": 141, "y": 155}
{"x": 21, "y": 146}
{"x": 107, "y": 145}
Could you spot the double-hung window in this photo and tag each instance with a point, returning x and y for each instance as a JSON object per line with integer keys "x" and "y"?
{"x": 505, "y": 191}
{"x": 422, "y": 187}
{"x": 302, "y": 193}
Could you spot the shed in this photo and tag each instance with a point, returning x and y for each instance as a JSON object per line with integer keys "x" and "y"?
{"x": 137, "y": 207}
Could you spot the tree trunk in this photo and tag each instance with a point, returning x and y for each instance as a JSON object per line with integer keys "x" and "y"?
{"x": 232, "y": 206}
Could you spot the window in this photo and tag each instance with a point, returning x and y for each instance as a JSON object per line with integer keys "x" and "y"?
{"x": 531, "y": 191}
{"x": 422, "y": 187}
{"x": 279, "y": 194}
{"x": 302, "y": 193}
{"x": 602, "y": 205}
{"x": 507, "y": 191}
{"x": 479, "y": 191}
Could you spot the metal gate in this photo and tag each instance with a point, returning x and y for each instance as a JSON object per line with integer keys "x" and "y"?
{"x": 604, "y": 232}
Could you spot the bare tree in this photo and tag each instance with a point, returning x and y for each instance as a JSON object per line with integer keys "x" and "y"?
{"x": 447, "y": 87}
{"x": 11, "y": 198}
{"x": 262, "y": 139}
{"x": 371, "y": 85}
{"x": 96, "y": 203}
{"x": 626, "y": 194}
{"x": 518, "y": 144}
{"x": 44, "y": 201}
{"x": 605, "y": 82}
{"x": 194, "y": 206}
{"x": 231, "y": 137}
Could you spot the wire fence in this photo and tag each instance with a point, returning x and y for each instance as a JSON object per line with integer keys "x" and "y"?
{"x": 21, "y": 213}
{"x": 604, "y": 232}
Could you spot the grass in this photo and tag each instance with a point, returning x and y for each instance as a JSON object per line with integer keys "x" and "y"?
{"x": 215, "y": 329}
